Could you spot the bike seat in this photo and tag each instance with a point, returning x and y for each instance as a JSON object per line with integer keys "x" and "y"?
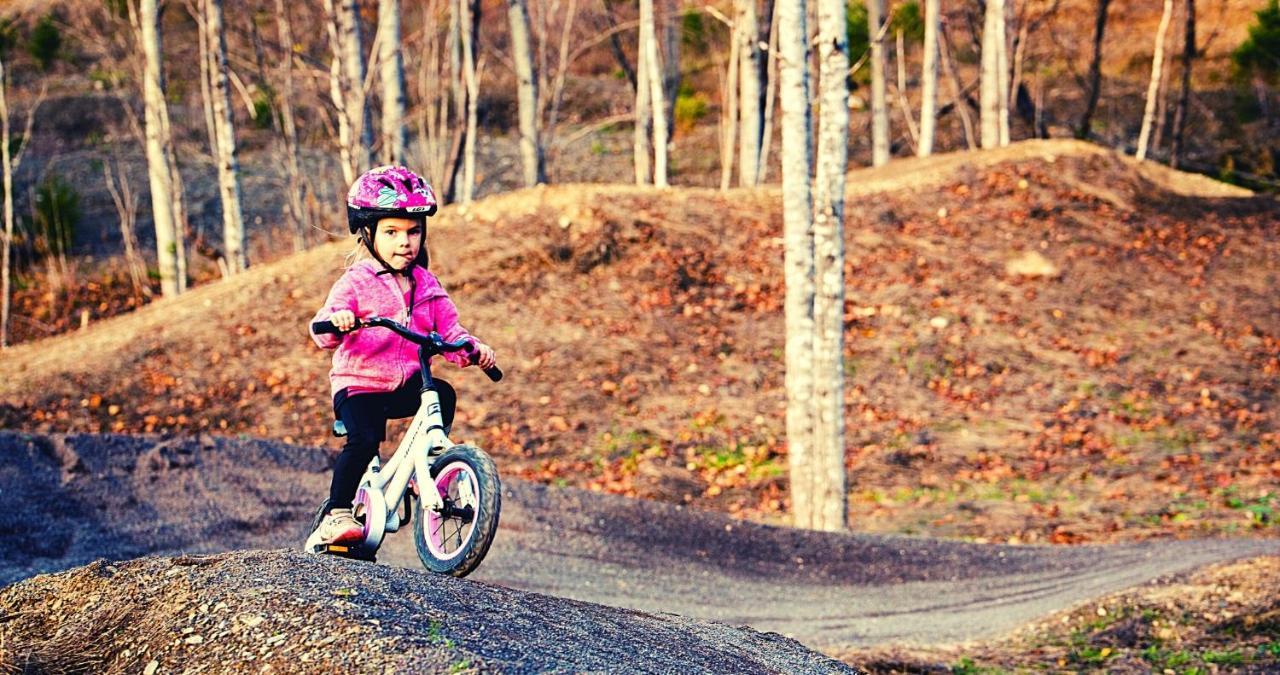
{"x": 339, "y": 429}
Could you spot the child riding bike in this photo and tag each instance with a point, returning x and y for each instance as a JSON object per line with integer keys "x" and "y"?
{"x": 376, "y": 375}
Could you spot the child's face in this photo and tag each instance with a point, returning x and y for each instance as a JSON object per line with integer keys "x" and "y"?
{"x": 397, "y": 241}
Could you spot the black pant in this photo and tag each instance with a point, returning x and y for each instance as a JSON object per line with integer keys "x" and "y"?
{"x": 365, "y": 416}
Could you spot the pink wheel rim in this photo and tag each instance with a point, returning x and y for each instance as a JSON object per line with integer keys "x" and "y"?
{"x": 447, "y": 538}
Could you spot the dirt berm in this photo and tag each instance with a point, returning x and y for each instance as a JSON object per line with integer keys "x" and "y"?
{"x": 284, "y": 611}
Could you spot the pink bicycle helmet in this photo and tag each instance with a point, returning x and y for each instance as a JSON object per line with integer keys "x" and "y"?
{"x": 388, "y": 192}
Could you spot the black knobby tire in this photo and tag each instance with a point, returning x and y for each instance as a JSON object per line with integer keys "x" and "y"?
{"x": 485, "y": 519}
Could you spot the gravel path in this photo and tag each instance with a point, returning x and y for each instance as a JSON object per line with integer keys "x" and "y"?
{"x": 120, "y": 497}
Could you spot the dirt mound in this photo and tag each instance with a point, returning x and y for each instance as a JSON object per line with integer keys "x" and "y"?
{"x": 245, "y": 611}
{"x": 1127, "y": 394}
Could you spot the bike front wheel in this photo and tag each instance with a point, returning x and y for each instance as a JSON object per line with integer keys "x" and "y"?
{"x": 455, "y": 537}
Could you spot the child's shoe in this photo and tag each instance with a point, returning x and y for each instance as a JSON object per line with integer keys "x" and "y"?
{"x": 339, "y": 527}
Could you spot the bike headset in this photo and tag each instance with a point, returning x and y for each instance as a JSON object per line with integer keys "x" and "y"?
{"x": 391, "y": 192}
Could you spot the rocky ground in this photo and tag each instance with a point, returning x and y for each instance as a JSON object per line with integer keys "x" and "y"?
{"x": 870, "y": 600}
{"x": 281, "y": 611}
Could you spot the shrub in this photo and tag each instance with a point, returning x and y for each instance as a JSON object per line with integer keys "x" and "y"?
{"x": 689, "y": 109}
{"x": 54, "y": 217}
{"x": 45, "y": 41}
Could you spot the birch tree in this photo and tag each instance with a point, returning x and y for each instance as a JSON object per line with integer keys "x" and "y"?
{"x": 1095, "y": 71}
{"x": 289, "y": 132}
{"x": 9, "y": 163}
{"x": 228, "y": 161}
{"x": 823, "y": 505}
{"x": 522, "y": 55}
{"x": 1188, "y": 57}
{"x": 798, "y": 254}
{"x": 1153, "y": 88}
{"x": 391, "y": 75}
{"x": 471, "y": 78}
{"x": 649, "y": 43}
{"x": 1002, "y": 71}
{"x": 929, "y": 79}
{"x": 992, "y": 38}
{"x": 877, "y": 26}
{"x": 643, "y": 119}
{"x": 346, "y": 86}
{"x": 749, "y": 94}
{"x": 160, "y": 163}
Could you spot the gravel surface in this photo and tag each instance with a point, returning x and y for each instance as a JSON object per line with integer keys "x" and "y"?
{"x": 118, "y": 497}
{"x": 288, "y": 611}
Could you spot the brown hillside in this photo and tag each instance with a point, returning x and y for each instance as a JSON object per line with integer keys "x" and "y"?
{"x": 1045, "y": 343}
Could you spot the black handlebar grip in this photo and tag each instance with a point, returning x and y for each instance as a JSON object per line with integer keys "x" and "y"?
{"x": 322, "y": 327}
{"x": 494, "y": 373}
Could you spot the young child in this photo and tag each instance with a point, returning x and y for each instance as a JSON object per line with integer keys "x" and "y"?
{"x": 375, "y": 374}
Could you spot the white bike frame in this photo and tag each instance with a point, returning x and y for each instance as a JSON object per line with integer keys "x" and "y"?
{"x": 382, "y": 488}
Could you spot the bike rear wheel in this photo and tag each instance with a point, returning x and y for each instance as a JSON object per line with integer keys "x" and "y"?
{"x": 454, "y": 539}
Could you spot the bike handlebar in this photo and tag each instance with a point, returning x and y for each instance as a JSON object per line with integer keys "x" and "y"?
{"x": 432, "y": 342}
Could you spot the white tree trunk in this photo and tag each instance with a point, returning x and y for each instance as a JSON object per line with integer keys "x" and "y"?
{"x": 749, "y": 94}
{"x": 158, "y": 152}
{"x": 233, "y": 236}
{"x": 522, "y": 55}
{"x": 206, "y": 96}
{"x": 957, "y": 91}
{"x": 471, "y": 78}
{"x": 992, "y": 37}
{"x": 649, "y": 43}
{"x": 391, "y": 74}
{"x": 797, "y": 224}
{"x": 346, "y": 86}
{"x": 876, "y": 22}
{"x": 289, "y": 130}
{"x": 729, "y": 108}
{"x": 7, "y": 161}
{"x": 1002, "y": 69}
{"x": 828, "y": 507}
{"x": 644, "y": 120}
{"x": 929, "y": 81}
{"x": 1153, "y": 88}
{"x": 770, "y": 98}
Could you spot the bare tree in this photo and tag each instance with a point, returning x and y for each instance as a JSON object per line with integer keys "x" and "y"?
{"x": 126, "y": 203}
{"x": 233, "y": 236}
{"x": 297, "y": 186}
{"x": 1153, "y": 88}
{"x": 877, "y": 26}
{"x": 959, "y": 99}
{"x": 391, "y": 75}
{"x": 770, "y": 94}
{"x": 160, "y": 163}
{"x": 10, "y": 160}
{"x": 1095, "y": 70}
{"x": 643, "y": 117}
{"x": 649, "y": 43}
{"x": 750, "y": 94}
{"x": 197, "y": 11}
{"x": 1188, "y": 57}
{"x": 825, "y": 505}
{"x": 522, "y": 55}
{"x": 730, "y": 107}
{"x": 929, "y": 83}
{"x": 992, "y": 67}
{"x": 346, "y": 78}
{"x": 903, "y": 105}
{"x": 798, "y": 254}
{"x": 1002, "y": 69}
{"x": 467, "y": 10}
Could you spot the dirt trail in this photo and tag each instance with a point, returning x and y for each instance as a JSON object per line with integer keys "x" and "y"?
{"x": 120, "y": 497}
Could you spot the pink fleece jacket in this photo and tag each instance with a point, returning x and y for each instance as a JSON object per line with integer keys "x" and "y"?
{"x": 376, "y": 358}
